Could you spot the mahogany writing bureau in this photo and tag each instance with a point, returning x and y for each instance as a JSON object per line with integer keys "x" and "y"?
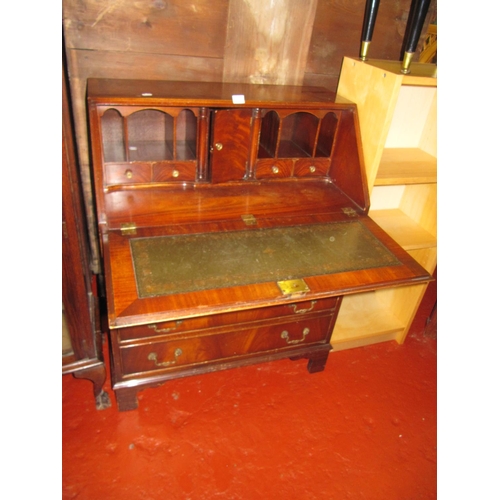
{"x": 232, "y": 221}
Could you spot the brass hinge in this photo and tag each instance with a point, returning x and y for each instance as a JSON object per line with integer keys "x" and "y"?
{"x": 128, "y": 228}
{"x": 350, "y": 212}
{"x": 293, "y": 287}
{"x": 249, "y": 219}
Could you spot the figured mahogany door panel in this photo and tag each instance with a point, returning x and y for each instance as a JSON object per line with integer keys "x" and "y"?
{"x": 231, "y": 143}
{"x": 191, "y": 349}
{"x": 225, "y": 321}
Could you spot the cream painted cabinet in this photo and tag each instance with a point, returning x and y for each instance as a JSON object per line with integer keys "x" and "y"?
{"x": 397, "y": 115}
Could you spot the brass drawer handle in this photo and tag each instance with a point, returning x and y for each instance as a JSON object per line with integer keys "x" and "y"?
{"x": 312, "y": 169}
{"x": 218, "y": 146}
{"x": 302, "y": 311}
{"x": 128, "y": 174}
{"x": 275, "y": 169}
{"x": 284, "y": 335}
{"x": 154, "y": 357}
{"x": 165, "y": 330}
{"x": 175, "y": 173}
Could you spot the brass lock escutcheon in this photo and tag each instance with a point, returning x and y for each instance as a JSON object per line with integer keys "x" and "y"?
{"x": 293, "y": 287}
{"x": 284, "y": 335}
{"x": 154, "y": 357}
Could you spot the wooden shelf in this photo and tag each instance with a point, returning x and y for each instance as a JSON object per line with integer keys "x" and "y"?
{"x": 375, "y": 324}
{"x": 406, "y": 166}
{"x": 408, "y": 233}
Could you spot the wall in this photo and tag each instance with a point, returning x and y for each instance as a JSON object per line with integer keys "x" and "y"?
{"x": 257, "y": 41}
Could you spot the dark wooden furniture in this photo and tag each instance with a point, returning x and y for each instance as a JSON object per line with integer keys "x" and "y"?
{"x": 82, "y": 350}
{"x": 232, "y": 220}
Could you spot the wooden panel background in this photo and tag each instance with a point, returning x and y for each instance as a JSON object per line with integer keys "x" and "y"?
{"x": 254, "y": 41}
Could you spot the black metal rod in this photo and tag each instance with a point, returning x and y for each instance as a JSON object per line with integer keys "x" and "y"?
{"x": 416, "y": 19}
{"x": 371, "y": 9}
{"x": 417, "y": 23}
{"x": 409, "y": 21}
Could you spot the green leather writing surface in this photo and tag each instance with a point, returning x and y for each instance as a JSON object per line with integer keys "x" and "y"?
{"x": 190, "y": 262}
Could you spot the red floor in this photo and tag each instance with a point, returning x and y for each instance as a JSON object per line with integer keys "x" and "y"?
{"x": 365, "y": 428}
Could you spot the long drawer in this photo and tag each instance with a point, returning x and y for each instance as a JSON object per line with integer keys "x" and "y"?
{"x": 194, "y": 348}
{"x": 297, "y": 309}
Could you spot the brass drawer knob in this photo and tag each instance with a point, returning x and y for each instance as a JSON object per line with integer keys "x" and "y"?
{"x": 218, "y": 146}
{"x": 128, "y": 174}
{"x": 275, "y": 169}
{"x": 312, "y": 169}
{"x": 175, "y": 173}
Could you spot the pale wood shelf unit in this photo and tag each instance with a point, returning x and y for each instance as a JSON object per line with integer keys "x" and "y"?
{"x": 397, "y": 115}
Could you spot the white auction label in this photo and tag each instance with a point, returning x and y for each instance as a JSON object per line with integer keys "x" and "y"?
{"x": 238, "y": 99}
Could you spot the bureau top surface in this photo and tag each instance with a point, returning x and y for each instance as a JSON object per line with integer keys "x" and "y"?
{"x": 118, "y": 91}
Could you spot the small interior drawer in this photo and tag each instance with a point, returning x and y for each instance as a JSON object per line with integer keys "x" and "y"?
{"x": 272, "y": 168}
{"x": 174, "y": 171}
{"x": 192, "y": 349}
{"x": 127, "y": 173}
{"x": 311, "y": 167}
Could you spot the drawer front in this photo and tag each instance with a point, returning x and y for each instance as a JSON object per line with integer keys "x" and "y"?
{"x": 313, "y": 167}
{"x": 270, "y": 168}
{"x": 193, "y": 349}
{"x": 228, "y": 320}
{"x": 174, "y": 171}
{"x": 127, "y": 173}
